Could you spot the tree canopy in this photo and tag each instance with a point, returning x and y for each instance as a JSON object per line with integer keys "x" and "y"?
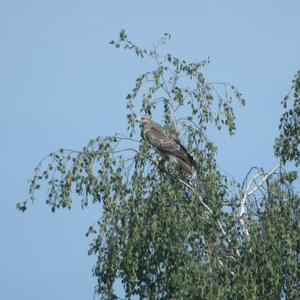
{"x": 164, "y": 234}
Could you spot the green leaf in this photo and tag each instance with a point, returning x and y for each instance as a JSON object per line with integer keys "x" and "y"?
{"x": 122, "y": 35}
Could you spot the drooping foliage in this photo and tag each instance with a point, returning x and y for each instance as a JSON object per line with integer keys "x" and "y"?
{"x": 287, "y": 145}
{"x": 165, "y": 235}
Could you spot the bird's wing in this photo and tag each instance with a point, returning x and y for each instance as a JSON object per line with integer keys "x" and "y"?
{"x": 161, "y": 139}
{"x": 167, "y": 143}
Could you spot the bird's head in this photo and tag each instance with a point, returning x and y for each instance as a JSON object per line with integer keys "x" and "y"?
{"x": 145, "y": 120}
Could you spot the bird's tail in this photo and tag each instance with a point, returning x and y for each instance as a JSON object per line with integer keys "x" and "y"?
{"x": 187, "y": 167}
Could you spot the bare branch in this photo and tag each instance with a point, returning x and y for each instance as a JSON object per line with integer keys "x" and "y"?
{"x": 248, "y": 192}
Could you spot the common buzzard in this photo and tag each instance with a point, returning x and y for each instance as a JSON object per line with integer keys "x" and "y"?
{"x": 167, "y": 144}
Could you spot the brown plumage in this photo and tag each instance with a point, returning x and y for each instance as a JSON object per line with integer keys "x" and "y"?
{"x": 167, "y": 144}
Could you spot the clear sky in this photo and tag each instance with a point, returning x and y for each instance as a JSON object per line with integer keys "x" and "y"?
{"x": 62, "y": 84}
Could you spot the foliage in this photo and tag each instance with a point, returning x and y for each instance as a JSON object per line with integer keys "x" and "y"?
{"x": 287, "y": 145}
{"x": 166, "y": 235}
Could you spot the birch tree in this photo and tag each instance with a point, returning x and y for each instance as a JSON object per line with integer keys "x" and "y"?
{"x": 163, "y": 234}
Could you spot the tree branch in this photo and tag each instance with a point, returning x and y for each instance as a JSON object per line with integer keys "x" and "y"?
{"x": 247, "y": 192}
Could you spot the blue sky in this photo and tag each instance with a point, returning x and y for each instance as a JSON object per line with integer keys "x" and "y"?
{"x": 61, "y": 84}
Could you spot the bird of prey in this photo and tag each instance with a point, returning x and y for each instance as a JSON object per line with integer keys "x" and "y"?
{"x": 167, "y": 144}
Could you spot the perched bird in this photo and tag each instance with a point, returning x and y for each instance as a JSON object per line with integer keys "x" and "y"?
{"x": 167, "y": 144}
